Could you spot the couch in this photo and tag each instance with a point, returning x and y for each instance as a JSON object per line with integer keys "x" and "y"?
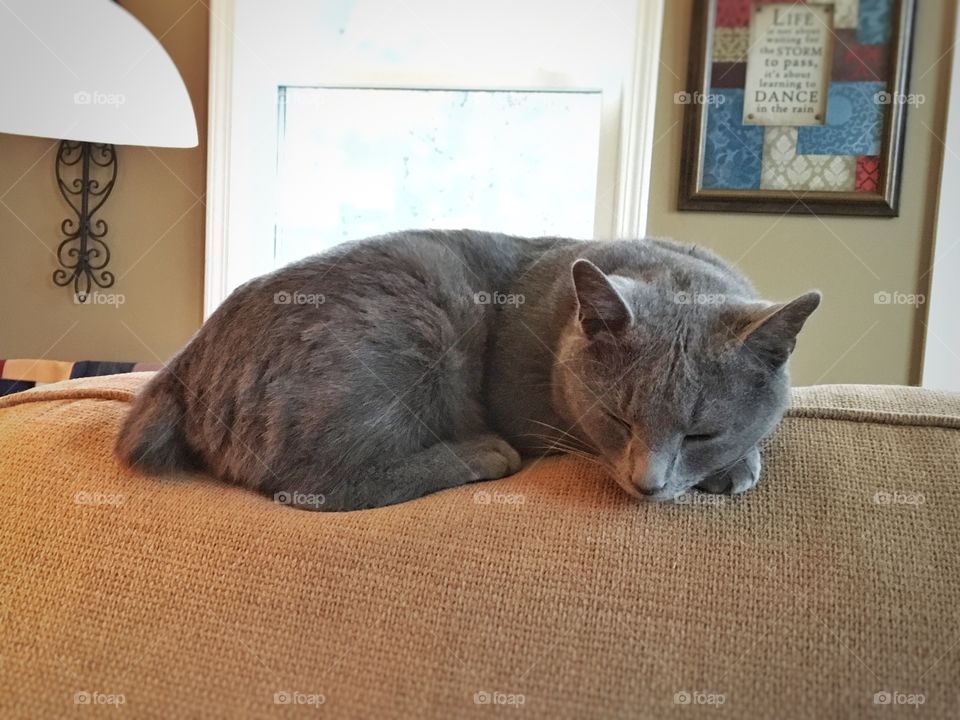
{"x": 830, "y": 591}
{"x": 18, "y": 375}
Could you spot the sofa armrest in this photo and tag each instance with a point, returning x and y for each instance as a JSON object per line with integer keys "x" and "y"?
{"x": 836, "y": 579}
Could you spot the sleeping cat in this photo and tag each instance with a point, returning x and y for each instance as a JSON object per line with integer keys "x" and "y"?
{"x": 393, "y": 367}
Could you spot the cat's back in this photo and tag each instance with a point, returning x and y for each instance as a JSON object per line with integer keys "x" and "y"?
{"x": 400, "y": 270}
{"x": 451, "y": 260}
{"x": 699, "y": 268}
{"x": 375, "y": 303}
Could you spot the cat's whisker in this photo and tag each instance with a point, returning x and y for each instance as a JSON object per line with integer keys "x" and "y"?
{"x": 556, "y": 442}
{"x": 567, "y": 434}
{"x": 588, "y": 458}
{"x": 578, "y": 452}
{"x": 550, "y": 440}
{"x": 552, "y": 427}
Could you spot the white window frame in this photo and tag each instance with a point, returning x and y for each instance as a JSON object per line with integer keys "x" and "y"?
{"x": 634, "y": 153}
{"x": 941, "y": 346}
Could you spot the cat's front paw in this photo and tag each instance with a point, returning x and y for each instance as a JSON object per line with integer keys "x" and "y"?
{"x": 738, "y": 478}
{"x": 489, "y": 457}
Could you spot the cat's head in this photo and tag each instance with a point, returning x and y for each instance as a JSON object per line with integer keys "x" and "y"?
{"x": 670, "y": 387}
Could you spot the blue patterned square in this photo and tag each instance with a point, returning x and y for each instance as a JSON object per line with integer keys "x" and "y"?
{"x": 874, "y": 24}
{"x": 732, "y": 151}
{"x": 854, "y": 122}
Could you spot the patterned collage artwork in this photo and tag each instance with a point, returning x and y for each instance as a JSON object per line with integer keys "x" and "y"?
{"x": 841, "y": 155}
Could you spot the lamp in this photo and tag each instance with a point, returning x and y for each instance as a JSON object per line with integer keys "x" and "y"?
{"x": 122, "y": 89}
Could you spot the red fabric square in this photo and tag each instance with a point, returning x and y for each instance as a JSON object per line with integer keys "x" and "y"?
{"x": 736, "y": 13}
{"x": 733, "y": 13}
{"x": 855, "y": 62}
{"x": 868, "y": 174}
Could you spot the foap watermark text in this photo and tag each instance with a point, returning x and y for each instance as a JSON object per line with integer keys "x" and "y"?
{"x": 486, "y": 697}
{"x": 696, "y": 298}
{"x": 95, "y": 297}
{"x": 498, "y": 298}
{"x": 290, "y": 697}
{"x": 96, "y": 97}
{"x": 700, "y": 499}
{"x": 886, "y": 297}
{"x": 296, "y": 297}
{"x": 698, "y": 697}
{"x": 894, "y": 697}
{"x": 299, "y": 499}
{"x": 485, "y": 497}
{"x": 88, "y": 697}
{"x": 698, "y": 98}
{"x": 887, "y": 98}
{"x": 895, "y": 497}
{"x": 87, "y": 497}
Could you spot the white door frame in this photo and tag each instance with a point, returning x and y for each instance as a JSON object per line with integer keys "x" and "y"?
{"x": 219, "y": 103}
{"x": 634, "y": 154}
{"x": 637, "y": 135}
{"x": 941, "y": 347}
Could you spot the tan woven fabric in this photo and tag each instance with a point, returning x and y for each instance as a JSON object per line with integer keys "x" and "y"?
{"x": 186, "y": 598}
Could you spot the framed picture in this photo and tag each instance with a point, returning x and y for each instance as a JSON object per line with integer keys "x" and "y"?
{"x": 796, "y": 106}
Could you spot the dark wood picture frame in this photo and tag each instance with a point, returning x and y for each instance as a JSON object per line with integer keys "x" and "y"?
{"x": 882, "y": 203}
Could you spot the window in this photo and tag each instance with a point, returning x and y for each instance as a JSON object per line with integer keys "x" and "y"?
{"x": 360, "y": 162}
{"x": 332, "y": 120}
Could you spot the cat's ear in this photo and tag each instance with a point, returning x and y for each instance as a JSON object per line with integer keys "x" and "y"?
{"x": 771, "y": 332}
{"x": 600, "y": 307}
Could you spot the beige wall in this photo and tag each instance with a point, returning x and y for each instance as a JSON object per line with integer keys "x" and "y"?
{"x": 155, "y": 216}
{"x": 850, "y": 339}
{"x": 156, "y": 229}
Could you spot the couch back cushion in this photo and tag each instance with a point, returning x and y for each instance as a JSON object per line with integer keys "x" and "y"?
{"x": 828, "y": 591}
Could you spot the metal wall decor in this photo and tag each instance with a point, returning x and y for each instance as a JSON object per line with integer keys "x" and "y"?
{"x": 86, "y": 172}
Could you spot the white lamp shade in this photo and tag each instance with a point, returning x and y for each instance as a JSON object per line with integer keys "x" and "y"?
{"x": 89, "y": 70}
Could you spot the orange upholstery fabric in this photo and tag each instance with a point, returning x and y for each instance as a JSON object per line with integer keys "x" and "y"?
{"x": 837, "y": 580}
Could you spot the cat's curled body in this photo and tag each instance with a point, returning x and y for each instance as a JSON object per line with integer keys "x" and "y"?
{"x": 389, "y": 368}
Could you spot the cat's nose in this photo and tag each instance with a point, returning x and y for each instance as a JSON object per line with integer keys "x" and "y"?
{"x": 649, "y": 486}
{"x": 650, "y": 475}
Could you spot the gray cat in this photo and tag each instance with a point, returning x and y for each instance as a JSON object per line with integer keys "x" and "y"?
{"x": 393, "y": 367}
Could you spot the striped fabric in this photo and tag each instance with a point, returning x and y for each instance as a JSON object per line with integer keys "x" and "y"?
{"x": 19, "y": 375}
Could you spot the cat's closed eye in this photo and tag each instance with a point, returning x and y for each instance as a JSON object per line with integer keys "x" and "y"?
{"x": 699, "y": 438}
{"x": 619, "y": 420}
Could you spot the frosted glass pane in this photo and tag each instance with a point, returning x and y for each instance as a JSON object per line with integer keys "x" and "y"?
{"x": 359, "y": 162}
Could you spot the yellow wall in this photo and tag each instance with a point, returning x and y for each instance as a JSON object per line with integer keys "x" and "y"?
{"x": 155, "y": 217}
{"x": 849, "y": 339}
{"x": 156, "y": 220}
